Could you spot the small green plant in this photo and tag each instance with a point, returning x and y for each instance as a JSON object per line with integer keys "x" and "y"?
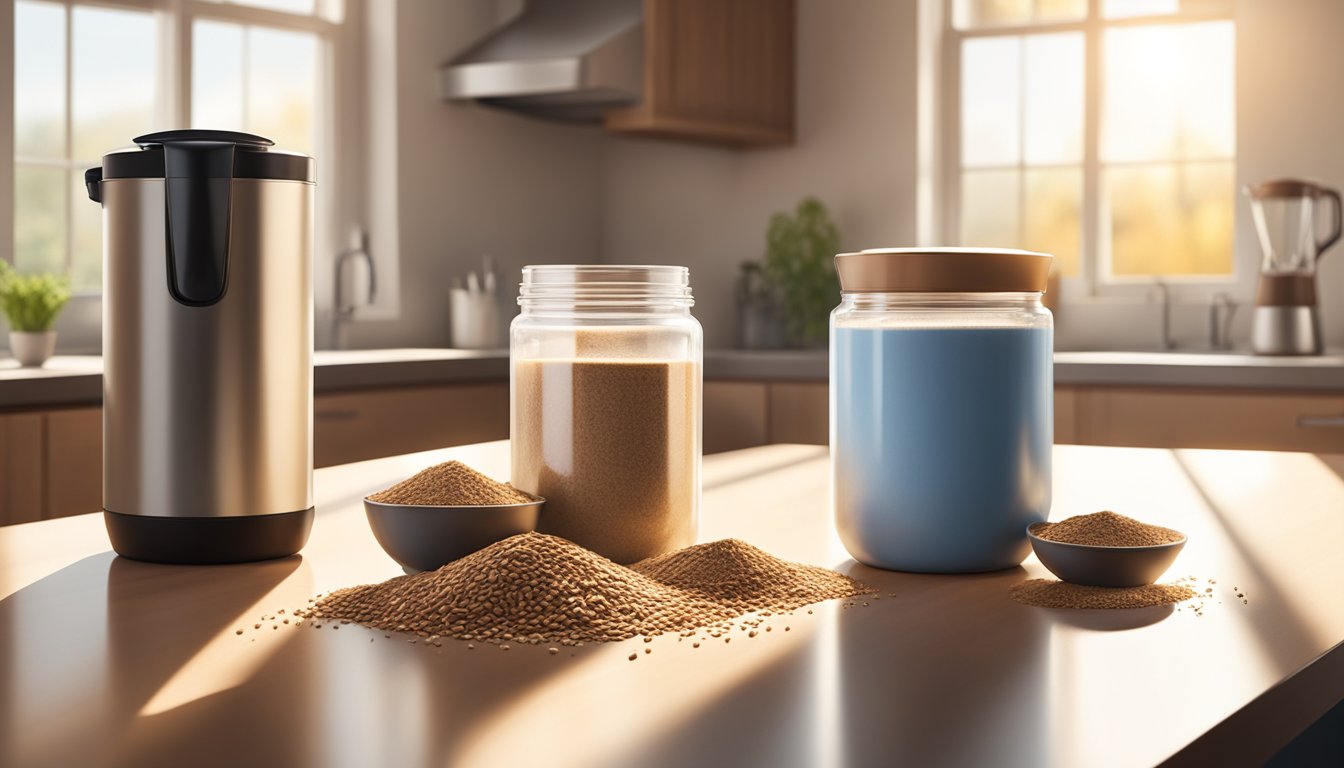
{"x": 31, "y": 302}
{"x": 800, "y": 269}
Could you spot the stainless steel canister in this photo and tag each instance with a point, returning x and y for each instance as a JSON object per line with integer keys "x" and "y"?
{"x": 207, "y": 346}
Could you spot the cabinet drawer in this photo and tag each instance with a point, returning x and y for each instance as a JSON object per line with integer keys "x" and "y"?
{"x": 1201, "y": 418}
{"x": 74, "y": 476}
{"x": 354, "y": 426}
{"x": 21, "y": 457}
{"x": 734, "y": 416}
{"x": 800, "y": 413}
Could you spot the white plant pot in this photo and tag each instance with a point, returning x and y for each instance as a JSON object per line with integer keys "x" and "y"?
{"x": 32, "y": 348}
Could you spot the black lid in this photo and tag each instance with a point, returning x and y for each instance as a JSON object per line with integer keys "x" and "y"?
{"x": 253, "y": 157}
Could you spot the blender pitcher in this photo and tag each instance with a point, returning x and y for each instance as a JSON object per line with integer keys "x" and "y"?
{"x": 1286, "y": 320}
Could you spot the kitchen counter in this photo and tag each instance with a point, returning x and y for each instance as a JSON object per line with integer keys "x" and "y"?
{"x": 77, "y": 379}
{"x": 74, "y": 380}
{"x": 107, "y": 661}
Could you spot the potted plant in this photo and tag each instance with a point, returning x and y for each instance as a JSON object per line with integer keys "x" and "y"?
{"x": 798, "y": 273}
{"x": 31, "y": 303}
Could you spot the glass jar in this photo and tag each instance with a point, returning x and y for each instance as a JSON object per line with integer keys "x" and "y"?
{"x": 942, "y": 415}
{"x": 605, "y": 382}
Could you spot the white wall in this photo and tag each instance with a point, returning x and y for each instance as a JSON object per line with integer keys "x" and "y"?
{"x": 857, "y": 74}
{"x": 468, "y": 180}
{"x": 707, "y": 208}
{"x": 1290, "y": 113}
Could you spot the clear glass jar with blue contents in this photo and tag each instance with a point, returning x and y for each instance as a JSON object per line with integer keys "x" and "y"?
{"x": 942, "y": 415}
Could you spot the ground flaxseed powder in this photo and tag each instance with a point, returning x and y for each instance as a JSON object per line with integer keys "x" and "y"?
{"x": 534, "y": 588}
{"x": 1048, "y": 593}
{"x": 613, "y": 446}
{"x": 1107, "y": 529}
{"x": 451, "y": 484}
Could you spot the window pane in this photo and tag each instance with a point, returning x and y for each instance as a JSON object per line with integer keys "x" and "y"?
{"x": 1060, "y": 10}
{"x": 282, "y": 86}
{"x": 115, "y": 86}
{"x": 970, "y": 14}
{"x": 1168, "y": 93}
{"x": 1054, "y": 98}
{"x": 1170, "y": 219}
{"x": 1054, "y": 210}
{"x": 990, "y": 209}
{"x": 288, "y": 6}
{"x": 39, "y": 219}
{"x": 1115, "y": 9}
{"x": 86, "y": 263}
{"x": 39, "y": 80}
{"x": 991, "y": 126}
{"x": 217, "y": 76}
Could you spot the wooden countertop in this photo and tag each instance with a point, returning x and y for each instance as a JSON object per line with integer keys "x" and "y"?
{"x": 111, "y": 662}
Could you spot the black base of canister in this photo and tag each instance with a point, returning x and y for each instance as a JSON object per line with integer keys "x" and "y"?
{"x": 208, "y": 540}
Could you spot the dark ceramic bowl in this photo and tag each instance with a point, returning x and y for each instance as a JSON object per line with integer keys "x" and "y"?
{"x": 423, "y": 538}
{"x": 1104, "y": 566}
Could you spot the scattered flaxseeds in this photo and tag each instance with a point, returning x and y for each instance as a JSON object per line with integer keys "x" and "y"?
{"x": 1107, "y": 529}
{"x": 451, "y": 484}
{"x": 1048, "y": 593}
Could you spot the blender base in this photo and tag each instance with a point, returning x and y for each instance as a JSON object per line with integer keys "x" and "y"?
{"x": 208, "y": 540}
{"x": 1286, "y": 330}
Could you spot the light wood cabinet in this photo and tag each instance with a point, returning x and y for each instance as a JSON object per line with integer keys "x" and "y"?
{"x": 369, "y": 424}
{"x": 717, "y": 71}
{"x": 74, "y": 461}
{"x": 21, "y": 486}
{"x": 734, "y": 415}
{"x": 51, "y": 462}
{"x": 1173, "y": 417}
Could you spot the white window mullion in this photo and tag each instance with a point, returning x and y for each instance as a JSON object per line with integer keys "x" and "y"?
{"x": 67, "y": 196}
{"x": 1091, "y": 247}
{"x": 7, "y": 163}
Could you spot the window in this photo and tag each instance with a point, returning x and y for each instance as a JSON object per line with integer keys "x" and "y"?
{"x": 90, "y": 77}
{"x": 1101, "y": 131}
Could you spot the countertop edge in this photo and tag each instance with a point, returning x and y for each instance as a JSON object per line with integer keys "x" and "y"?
{"x": 371, "y": 369}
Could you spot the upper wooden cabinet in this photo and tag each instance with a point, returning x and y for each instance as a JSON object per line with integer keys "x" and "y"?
{"x": 716, "y": 71}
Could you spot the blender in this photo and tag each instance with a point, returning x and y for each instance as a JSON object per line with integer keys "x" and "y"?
{"x": 1286, "y": 320}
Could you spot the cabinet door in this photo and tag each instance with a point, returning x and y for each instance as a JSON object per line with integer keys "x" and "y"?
{"x": 734, "y": 415}
{"x": 354, "y": 426}
{"x": 800, "y": 413}
{"x": 1198, "y": 418}
{"x": 719, "y": 71}
{"x": 21, "y": 457}
{"x": 74, "y": 456}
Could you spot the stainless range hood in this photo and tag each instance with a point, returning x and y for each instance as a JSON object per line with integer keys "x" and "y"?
{"x": 557, "y": 59}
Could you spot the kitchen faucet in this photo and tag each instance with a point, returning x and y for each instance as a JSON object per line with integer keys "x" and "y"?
{"x": 344, "y": 306}
{"x": 1221, "y": 310}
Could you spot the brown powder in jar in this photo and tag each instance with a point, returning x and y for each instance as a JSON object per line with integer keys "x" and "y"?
{"x": 1048, "y": 593}
{"x": 1107, "y": 529}
{"x": 614, "y": 447}
{"x": 534, "y": 589}
{"x": 451, "y": 484}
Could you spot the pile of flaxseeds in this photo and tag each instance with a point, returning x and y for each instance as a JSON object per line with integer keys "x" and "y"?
{"x": 539, "y": 589}
{"x": 1107, "y": 529}
{"x": 451, "y": 484}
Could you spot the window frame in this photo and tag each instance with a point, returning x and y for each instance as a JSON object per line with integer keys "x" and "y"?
{"x": 337, "y": 124}
{"x": 1088, "y": 285}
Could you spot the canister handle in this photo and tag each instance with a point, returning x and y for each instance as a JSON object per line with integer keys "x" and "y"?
{"x": 198, "y": 183}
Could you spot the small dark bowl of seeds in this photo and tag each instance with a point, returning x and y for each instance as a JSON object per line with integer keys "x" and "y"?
{"x": 1105, "y": 549}
{"x": 445, "y": 513}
